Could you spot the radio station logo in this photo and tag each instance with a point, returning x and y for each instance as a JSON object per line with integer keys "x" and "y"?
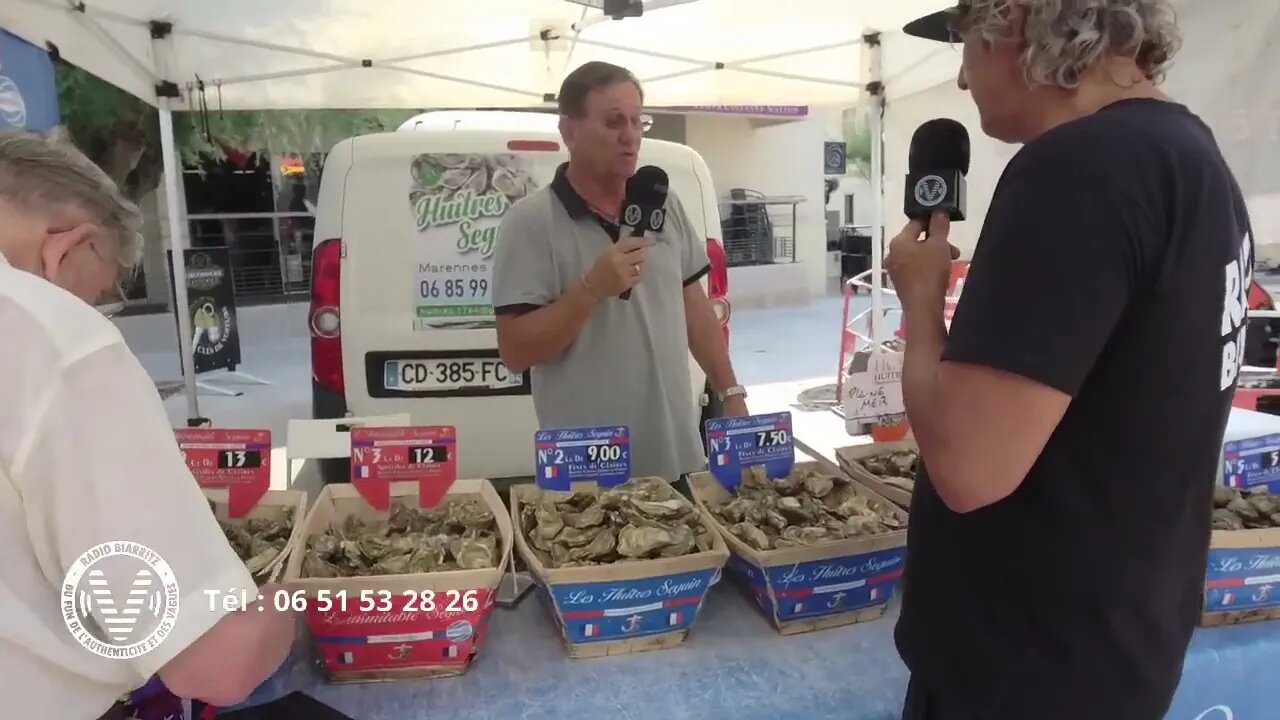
{"x": 120, "y": 600}
{"x": 930, "y": 190}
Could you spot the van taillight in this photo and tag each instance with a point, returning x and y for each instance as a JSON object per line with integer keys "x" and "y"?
{"x": 325, "y": 317}
{"x": 718, "y": 284}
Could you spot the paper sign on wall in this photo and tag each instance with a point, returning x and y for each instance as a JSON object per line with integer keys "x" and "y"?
{"x": 876, "y": 392}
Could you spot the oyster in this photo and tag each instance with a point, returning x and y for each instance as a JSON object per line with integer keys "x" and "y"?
{"x": 1252, "y": 509}
{"x": 896, "y": 469}
{"x": 807, "y": 508}
{"x": 452, "y": 174}
{"x": 639, "y": 520}
{"x": 258, "y": 541}
{"x": 457, "y": 535}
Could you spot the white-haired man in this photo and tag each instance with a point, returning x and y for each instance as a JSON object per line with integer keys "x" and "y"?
{"x": 1090, "y": 366}
{"x": 87, "y": 457}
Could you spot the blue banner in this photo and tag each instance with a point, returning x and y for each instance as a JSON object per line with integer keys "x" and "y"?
{"x": 1253, "y": 462}
{"x": 28, "y": 93}
{"x": 1242, "y": 579}
{"x": 624, "y": 609}
{"x": 737, "y": 443}
{"x": 822, "y": 587}
{"x": 599, "y": 454}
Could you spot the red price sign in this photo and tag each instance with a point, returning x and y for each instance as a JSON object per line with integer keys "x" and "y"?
{"x": 238, "y": 460}
{"x": 425, "y": 454}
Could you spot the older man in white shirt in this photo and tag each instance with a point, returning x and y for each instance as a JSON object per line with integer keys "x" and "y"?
{"x": 87, "y": 457}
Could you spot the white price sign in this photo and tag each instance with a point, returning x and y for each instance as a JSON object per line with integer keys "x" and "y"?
{"x": 875, "y": 392}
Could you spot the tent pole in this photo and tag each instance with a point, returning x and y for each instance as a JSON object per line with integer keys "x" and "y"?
{"x": 181, "y": 304}
{"x": 876, "y": 128}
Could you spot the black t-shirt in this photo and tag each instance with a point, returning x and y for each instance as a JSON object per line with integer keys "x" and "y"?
{"x": 1113, "y": 265}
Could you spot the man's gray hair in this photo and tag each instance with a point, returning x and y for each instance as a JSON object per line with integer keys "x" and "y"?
{"x": 1064, "y": 38}
{"x": 48, "y": 176}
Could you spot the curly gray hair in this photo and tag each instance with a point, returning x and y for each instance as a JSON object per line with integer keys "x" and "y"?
{"x": 1064, "y": 38}
{"x": 46, "y": 175}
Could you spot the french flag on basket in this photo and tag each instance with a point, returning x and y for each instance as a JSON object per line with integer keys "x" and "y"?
{"x": 675, "y": 619}
{"x": 590, "y": 630}
{"x": 875, "y": 593}
{"x": 346, "y": 658}
{"x": 1227, "y": 597}
{"x": 451, "y": 651}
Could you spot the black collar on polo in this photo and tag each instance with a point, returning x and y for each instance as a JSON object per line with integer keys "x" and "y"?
{"x": 576, "y": 206}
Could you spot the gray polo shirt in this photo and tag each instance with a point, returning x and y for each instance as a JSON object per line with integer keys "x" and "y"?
{"x": 630, "y": 363}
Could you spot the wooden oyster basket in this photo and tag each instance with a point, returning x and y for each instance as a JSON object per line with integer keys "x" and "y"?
{"x": 626, "y": 606}
{"x": 399, "y": 626}
{"x": 1242, "y": 581}
{"x": 852, "y": 457}
{"x": 814, "y": 587}
{"x": 273, "y": 506}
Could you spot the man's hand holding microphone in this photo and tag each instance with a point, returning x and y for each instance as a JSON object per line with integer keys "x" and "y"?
{"x": 617, "y": 269}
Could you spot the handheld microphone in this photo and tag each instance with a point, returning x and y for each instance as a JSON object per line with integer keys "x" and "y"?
{"x": 644, "y": 206}
{"x": 936, "y": 165}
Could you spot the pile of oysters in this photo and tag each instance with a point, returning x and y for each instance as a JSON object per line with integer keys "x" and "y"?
{"x": 896, "y": 469}
{"x": 1248, "y": 510}
{"x": 807, "y": 508}
{"x": 258, "y": 541}
{"x": 459, "y": 534}
{"x": 644, "y": 518}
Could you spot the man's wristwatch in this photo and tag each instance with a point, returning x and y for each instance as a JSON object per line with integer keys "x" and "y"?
{"x": 732, "y": 391}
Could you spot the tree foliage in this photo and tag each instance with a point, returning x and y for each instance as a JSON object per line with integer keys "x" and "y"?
{"x": 121, "y": 133}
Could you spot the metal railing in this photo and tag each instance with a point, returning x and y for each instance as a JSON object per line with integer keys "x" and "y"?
{"x": 758, "y": 229}
{"x": 270, "y": 252}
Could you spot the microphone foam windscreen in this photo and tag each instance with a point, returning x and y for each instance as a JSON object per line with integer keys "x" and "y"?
{"x": 939, "y": 144}
{"x": 648, "y": 186}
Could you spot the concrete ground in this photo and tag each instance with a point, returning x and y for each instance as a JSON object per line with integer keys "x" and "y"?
{"x": 778, "y": 353}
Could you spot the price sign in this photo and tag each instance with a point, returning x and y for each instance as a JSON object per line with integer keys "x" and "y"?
{"x": 737, "y": 443}
{"x": 601, "y": 454}
{"x": 425, "y": 454}
{"x": 875, "y": 392}
{"x": 1252, "y": 462}
{"x": 238, "y": 460}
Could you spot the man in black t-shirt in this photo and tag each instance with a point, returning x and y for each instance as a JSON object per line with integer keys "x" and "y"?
{"x": 1072, "y": 420}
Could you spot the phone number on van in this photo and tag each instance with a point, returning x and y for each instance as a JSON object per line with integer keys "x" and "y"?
{"x": 417, "y": 375}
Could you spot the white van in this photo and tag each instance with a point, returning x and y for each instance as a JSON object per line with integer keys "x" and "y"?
{"x": 401, "y": 317}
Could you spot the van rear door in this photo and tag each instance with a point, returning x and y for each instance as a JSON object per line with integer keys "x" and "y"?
{"x": 420, "y": 219}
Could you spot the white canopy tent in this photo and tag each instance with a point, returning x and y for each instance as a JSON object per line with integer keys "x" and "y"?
{"x": 289, "y": 54}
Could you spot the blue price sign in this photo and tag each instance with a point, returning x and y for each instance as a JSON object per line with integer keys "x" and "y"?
{"x": 737, "y": 443}
{"x": 600, "y": 454}
{"x": 1252, "y": 462}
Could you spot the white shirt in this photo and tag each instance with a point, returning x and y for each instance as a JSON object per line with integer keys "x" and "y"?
{"x": 87, "y": 456}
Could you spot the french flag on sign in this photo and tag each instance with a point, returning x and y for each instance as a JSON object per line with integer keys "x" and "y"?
{"x": 346, "y": 658}
{"x": 364, "y": 471}
{"x": 451, "y": 651}
{"x": 722, "y": 459}
{"x": 550, "y": 471}
{"x": 675, "y": 619}
{"x": 590, "y": 630}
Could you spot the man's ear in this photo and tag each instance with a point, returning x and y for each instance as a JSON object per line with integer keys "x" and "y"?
{"x": 57, "y": 245}
{"x": 566, "y": 130}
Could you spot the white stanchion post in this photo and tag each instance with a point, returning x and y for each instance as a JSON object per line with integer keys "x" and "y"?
{"x": 181, "y": 304}
{"x": 875, "y": 125}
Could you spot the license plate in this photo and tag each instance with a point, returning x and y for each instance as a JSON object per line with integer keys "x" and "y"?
{"x": 449, "y": 374}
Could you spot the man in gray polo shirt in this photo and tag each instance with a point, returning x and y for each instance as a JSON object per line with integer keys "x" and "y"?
{"x": 560, "y": 266}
